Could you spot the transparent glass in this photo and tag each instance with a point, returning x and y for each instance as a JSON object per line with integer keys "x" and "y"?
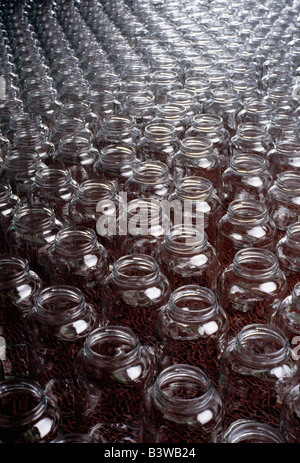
{"x": 159, "y": 143}
{"x": 252, "y": 432}
{"x": 285, "y": 156}
{"x": 250, "y": 138}
{"x": 182, "y": 406}
{"x": 9, "y": 203}
{"x": 289, "y": 419}
{"x": 287, "y": 251}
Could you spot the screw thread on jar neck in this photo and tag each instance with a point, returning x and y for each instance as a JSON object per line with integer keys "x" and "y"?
{"x": 150, "y": 172}
{"x": 196, "y": 146}
{"x": 93, "y": 191}
{"x": 246, "y": 164}
{"x": 13, "y": 270}
{"x": 207, "y": 123}
{"x": 288, "y": 182}
{"x": 192, "y": 303}
{"x": 52, "y": 177}
{"x": 183, "y": 239}
{"x": 75, "y": 240}
{"x": 33, "y": 218}
{"x": 249, "y": 212}
{"x": 255, "y": 263}
{"x": 193, "y": 188}
{"x": 160, "y": 132}
{"x": 136, "y": 270}
{"x": 250, "y": 431}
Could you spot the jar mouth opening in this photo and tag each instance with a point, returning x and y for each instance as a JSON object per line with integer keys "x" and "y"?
{"x": 183, "y": 97}
{"x": 182, "y": 388}
{"x": 196, "y": 146}
{"x": 51, "y": 177}
{"x": 164, "y": 76}
{"x": 117, "y": 154}
{"x": 244, "y": 430}
{"x": 16, "y": 159}
{"x": 33, "y": 218}
{"x": 247, "y": 164}
{"x": 223, "y": 97}
{"x": 150, "y": 172}
{"x": 171, "y": 110}
{"x": 207, "y": 122}
{"x": 261, "y": 344}
{"x": 290, "y": 147}
{"x": 136, "y": 268}
{"x": 293, "y": 233}
{"x": 289, "y": 182}
{"x": 20, "y": 399}
{"x": 194, "y": 187}
{"x": 139, "y": 101}
{"x": 112, "y": 345}
{"x": 255, "y": 263}
{"x": 192, "y": 303}
{"x": 59, "y": 301}
{"x": 75, "y": 240}
{"x": 118, "y": 123}
{"x": 147, "y": 209}
{"x": 161, "y": 131}
{"x": 12, "y": 269}
{"x": 247, "y": 212}
{"x": 185, "y": 239}
{"x": 198, "y": 84}
{"x": 74, "y": 145}
{"x": 250, "y": 131}
{"x": 93, "y": 191}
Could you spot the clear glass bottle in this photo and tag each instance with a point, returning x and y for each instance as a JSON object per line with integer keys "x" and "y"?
{"x": 25, "y": 408}
{"x": 244, "y": 431}
{"x": 142, "y": 108}
{"x": 111, "y": 373}
{"x": 211, "y": 126}
{"x": 159, "y": 143}
{"x": 283, "y": 201}
{"x": 192, "y": 329}
{"x": 149, "y": 179}
{"x": 246, "y": 178}
{"x": 285, "y": 156}
{"x": 186, "y": 257}
{"x": 118, "y": 130}
{"x": 174, "y": 114}
{"x": 162, "y": 83}
{"x": 226, "y": 103}
{"x": 31, "y": 233}
{"x": 55, "y": 329}
{"x": 33, "y": 139}
{"x": 245, "y": 224}
{"x": 182, "y": 406}
{"x": 256, "y": 371}
{"x": 287, "y": 251}
{"x": 54, "y": 188}
{"x": 197, "y": 195}
{"x": 197, "y": 156}
{"x": 289, "y": 417}
{"x": 133, "y": 293}
{"x": 115, "y": 164}
{"x": 250, "y": 138}
{"x": 9, "y": 203}
{"x": 76, "y": 258}
{"x": 251, "y": 288}
{"x": 19, "y": 285}
{"x": 66, "y": 127}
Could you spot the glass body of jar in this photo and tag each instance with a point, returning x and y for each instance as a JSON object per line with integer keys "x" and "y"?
{"x": 162, "y": 83}
{"x": 197, "y": 157}
{"x": 192, "y": 329}
{"x": 9, "y": 203}
{"x": 224, "y": 102}
{"x": 289, "y": 417}
{"x": 186, "y": 257}
{"x": 255, "y": 111}
{"x": 159, "y": 143}
{"x": 149, "y": 180}
{"x": 19, "y": 285}
{"x": 175, "y": 115}
{"x": 282, "y": 200}
{"x": 67, "y": 126}
{"x": 196, "y": 195}
{"x": 247, "y": 177}
{"x": 182, "y": 406}
{"x": 25, "y": 408}
{"x": 211, "y": 126}
{"x": 246, "y": 224}
{"x": 287, "y": 251}
{"x": 54, "y": 188}
{"x": 111, "y": 373}
{"x": 245, "y": 431}
{"x": 251, "y": 288}
{"x": 256, "y": 372}
{"x": 250, "y": 138}
{"x": 78, "y": 155}
{"x": 287, "y": 317}
{"x": 285, "y": 156}
{"x": 76, "y": 258}
{"x": 133, "y": 294}
{"x": 142, "y": 108}
{"x": 33, "y": 139}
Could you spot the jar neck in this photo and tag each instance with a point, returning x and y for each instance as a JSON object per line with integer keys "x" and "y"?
{"x": 224, "y": 97}
{"x": 21, "y": 401}
{"x": 53, "y": 178}
{"x": 5, "y": 192}
{"x": 150, "y": 172}
{"x": 182, "y": 97}
{"x": 21, "y": 161}
{"x": 13, "y": 271}
{"x": 74, "y": 147}
{"x": 260, "y": 346}
{"x": 28, "y": 137}
{"x": 34, "y": 219}
{"x": 59, "y": 304}
{"x": 192, "y": 304}
{"x": 250, "y": 431}
{"x": 288, "y": 183}
{"x": 182, "y": 390}
{"x": 293, "y": 235}
{"x": 196, "y": 146}
{"x": 160, "y": 133}
{"x": 185, "y": 240}
{"x": 118, "y": 124}
{"x": 246, "y": 164}
{"x": 171, "y": 112}
{"x": 248, "y": 212}
{"x": 208, "y": 123}
{"x": 135, "y": 271}
{"x": 75, "y": 241}
{"x": 113, "y": 155}
{"x": 251, "y": 132}
{"x": 288, "y": 147}
{"x": 91, "y": 192}
{"x": 256, "y": 264}
{"x": 194, "y": 188}
{"x": 149, "y": 213}
{"x": 112, "y": 347}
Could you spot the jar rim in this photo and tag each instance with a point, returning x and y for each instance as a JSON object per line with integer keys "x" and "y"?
{"x": 127, "y": 269}
{"x": 183, "y": 313}
{"x": 247, "y": 212}
{"x": 266, "y": 259}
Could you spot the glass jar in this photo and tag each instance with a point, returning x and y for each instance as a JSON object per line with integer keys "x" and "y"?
{"x": 287, "y": 251}
{"x": 115, "y": 164}
{"x": 164, "y": 82}
{"x": 78, "y": 155}
{"x": 287, "y": 316}
{"x": 244, "y": 431}
{"x": 187, "y": 98}
{"x": 246, "y": 178}
{"x": 175, "y": 115}
{"x": 198, "y": 157}
{"x": 149, "y": 179}
{"x": 250, "y": 138}
{"x": 54, "y": 188}
{"x": 55, "y": 329}
{"x": 9, "y": 203}
{"x": 76, "y": 258}
{"x": 111, "y": 373}
{"x": 83, "y": 111}
{"x": 226, "y": 103}
{"x": 19, "y": 285}
{"x": 159, "y": 143}
{"x": 197, "y": 195}
{"x": 251, "y": 288}
{"x": 32, "y": 231}
{"x": 33, "y": 139}
{"x": 66, "y": 127}
{"x": 256, "y": 111}
{"x": 289, "y": 418}
{"x": 118, "y": 129}
{"x": 246, "y": 224}
{"x": 285, "y": 156}
{"x": 186, "y": 257}
{"x": 283, "y": 199}
{"x": 133, "y": 294}
{"x": 201, "y": 86}
{"x": 211, "y": 126}
{"x": 146, "y": 226}
{"x": 182, "y": 406}
{"x": 25, "y": 409}
{"x": 192, "y": 329}
{"x": 256, "y": 371}
{"x": 23, "y": 121}
{"x": 141, "y": 107}
{"x": 284, "y": 124}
